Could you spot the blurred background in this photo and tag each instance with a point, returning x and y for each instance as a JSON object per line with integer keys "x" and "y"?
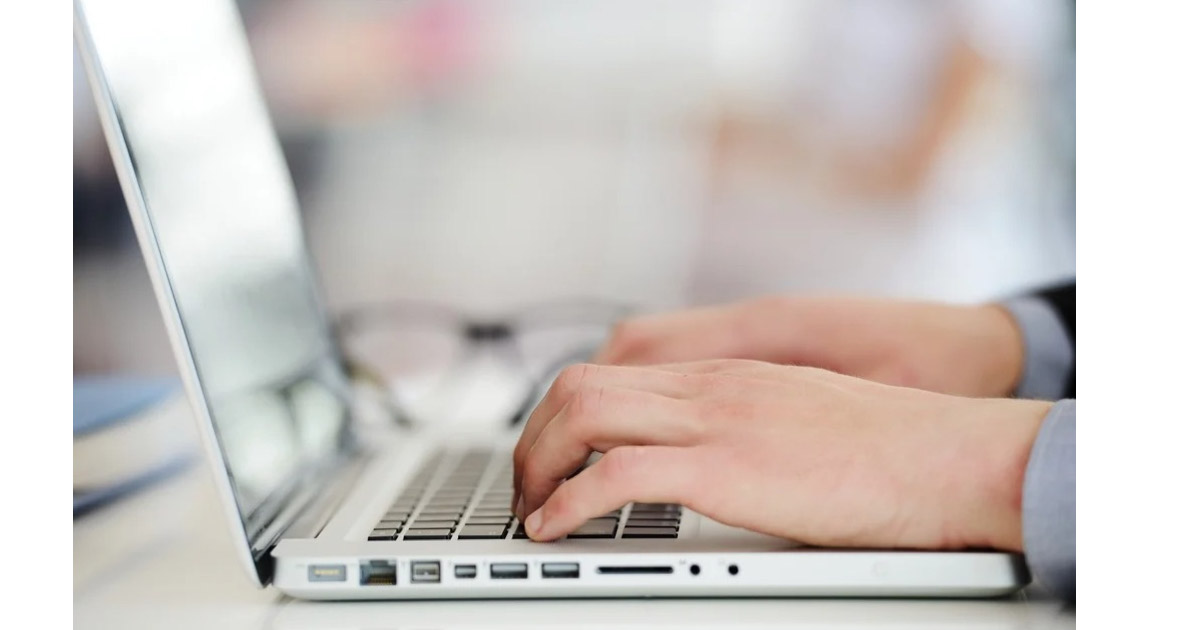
{"x": 489, "y": 156}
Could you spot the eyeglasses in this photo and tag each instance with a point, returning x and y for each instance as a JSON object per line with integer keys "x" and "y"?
{"x": 412, "y": 349}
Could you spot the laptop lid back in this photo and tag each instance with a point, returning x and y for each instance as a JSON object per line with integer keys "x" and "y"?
{"x": 217, "y": 220}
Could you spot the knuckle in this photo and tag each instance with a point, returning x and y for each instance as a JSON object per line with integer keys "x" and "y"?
{"x": 585, "y": 407}
{"x": 623, "y": 464}
{"x": 569, "y": 380}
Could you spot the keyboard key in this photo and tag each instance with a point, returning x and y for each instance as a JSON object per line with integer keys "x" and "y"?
{"x": 488, "y": 520}
{"x": 457, "y": 491}
{"x": 427, "y": 534}
{"x": 445, "y": 505}
{"x": 659, "y": 509}
{"x": 464, "y": 491}
{"x": 433, "y": 524}
{"x": 492, "y": 512}
{"x": 654, "y": 514}
{"x": 390, "y": 523}
{"x": 652, "y": 522}
{"x": 482, "y": 531}
{"x": 382, "y": 534}
{"x": 442, "y": 513}
{"x": 459, "y": 497}
{"x": 520, "y": 534}
{"x": 650, "y": 532}
{"x": 596, "y": 528}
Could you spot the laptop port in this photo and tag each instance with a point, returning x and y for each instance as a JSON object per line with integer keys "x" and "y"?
{"x": 510, "y": 571}
{"x": 560, "y": 570}
{"x": 378, "y": 573}
{"x": 326, "y": 573}
{"x": 464, "y": 571}
{"x": 426, "y": 572}
{"x": 635, "y": 570}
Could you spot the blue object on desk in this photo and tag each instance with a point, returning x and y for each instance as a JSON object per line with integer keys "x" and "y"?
{"x": 89, "y": 499}
{"x": 104, "y": 400}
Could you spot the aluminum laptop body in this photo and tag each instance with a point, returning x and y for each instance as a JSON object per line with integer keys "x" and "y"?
{"x": 304, "y": 484}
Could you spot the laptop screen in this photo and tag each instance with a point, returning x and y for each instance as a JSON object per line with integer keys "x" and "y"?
{"x": 218, "y": 220}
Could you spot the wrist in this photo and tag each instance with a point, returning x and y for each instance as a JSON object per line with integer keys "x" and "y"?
{"x": 999, "y": 350}
{"x": 992, "y": 476}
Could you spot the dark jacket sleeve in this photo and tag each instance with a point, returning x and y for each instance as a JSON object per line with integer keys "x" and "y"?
{"x": 1046, "y": 319}
{"x": 1047, "y": 322}
{"x": 1061, "y": 299}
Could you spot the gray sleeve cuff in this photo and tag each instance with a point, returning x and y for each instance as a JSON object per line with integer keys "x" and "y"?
{"x": 1048, "y": 502}
{"x": 1047, "y": 349}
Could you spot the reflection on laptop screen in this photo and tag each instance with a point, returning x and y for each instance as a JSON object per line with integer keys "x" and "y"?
{"x": 221, "y": 205}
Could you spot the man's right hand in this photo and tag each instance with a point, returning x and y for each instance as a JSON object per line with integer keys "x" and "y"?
{"x": 960, "y": 350}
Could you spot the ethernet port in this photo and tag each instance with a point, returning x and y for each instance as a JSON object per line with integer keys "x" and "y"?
{"x": 378, "y": 573}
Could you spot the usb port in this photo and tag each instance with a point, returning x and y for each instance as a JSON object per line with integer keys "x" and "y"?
{"x": 510, "y": 571}
{"x": 464, "y": 571}
{"x": 426, "y": 572}
{"x": 560, "y": 570}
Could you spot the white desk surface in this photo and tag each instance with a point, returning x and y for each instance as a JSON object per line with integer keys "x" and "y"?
{"x": 163, "y": 558}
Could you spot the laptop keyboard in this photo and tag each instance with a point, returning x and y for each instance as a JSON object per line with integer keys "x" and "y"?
{"x": 466, "y": 496}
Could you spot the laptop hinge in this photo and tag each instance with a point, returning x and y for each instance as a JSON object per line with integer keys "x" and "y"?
{"x": 317, "y": 512}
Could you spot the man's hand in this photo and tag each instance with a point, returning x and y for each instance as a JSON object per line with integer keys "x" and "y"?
{"x": 961, "y": 350}
{"x": 800, "y": 453}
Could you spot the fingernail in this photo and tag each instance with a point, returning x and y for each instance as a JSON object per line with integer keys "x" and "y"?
{"x": 533, "y": 524}
{"x": 521, "y": 507}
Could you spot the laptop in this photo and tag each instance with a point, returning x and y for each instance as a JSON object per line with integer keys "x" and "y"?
{"x": 322, "y": 504}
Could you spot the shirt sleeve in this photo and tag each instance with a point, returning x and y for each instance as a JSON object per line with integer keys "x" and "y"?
{"x": 1048, "y": 502}
{"x": 1048, "y": 349}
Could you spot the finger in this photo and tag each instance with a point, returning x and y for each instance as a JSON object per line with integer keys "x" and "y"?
{"x": 759, "y": 370}
{"x": 572, "y": 379}
{"x": 681, "y": 336}
{"x": 651, "y": 474}
{"x": 600, "y": 419}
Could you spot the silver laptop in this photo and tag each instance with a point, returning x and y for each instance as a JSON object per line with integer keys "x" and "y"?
{"x": 324, "y": 506}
